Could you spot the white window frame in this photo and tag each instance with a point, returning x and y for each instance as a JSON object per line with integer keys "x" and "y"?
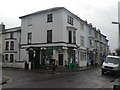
{"x": 82, "y": 26}
{"x": 82, "y": 41}
{"x": 29, "y": 21}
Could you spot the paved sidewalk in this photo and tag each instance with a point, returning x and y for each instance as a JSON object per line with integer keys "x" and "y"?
{"x": 59, "y": 70}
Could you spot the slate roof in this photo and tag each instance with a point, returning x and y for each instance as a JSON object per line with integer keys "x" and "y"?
{"x": 41, "y": 11}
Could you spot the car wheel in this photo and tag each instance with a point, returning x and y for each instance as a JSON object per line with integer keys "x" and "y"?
{"x": 118, "y": 73}
{"x": 103, "y": 72}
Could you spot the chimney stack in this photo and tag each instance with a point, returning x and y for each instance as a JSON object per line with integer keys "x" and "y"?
{"x": 90, "y": 24}
{"x": 2, "y": 27}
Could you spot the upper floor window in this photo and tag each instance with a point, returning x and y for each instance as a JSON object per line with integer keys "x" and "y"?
{"x": 100, "y": 37}
{"x": 74, "y": 36}
{"x": 81, "y": 26}
{"x": 49, "y": 36}
{"x": 11, "y": 35}
{"x": 29, "y": 21}
{"x": 29, "y": 38}
{"x": 82, "y": 41}
{"x": 6, "y": 57}
{"x": 49, "y": 18}
{"x": 7, "y": 45}
{"x": 96, "y": 35}
{"x": 82, "y": 56}
{"x": 70, "y": 36}
{"x": 69, "y": 20}
{"x": 11, "y": 57}
{"x": 90, "y": 42}
{"x": 12, "y": 45}
{"x": 90, "y": 31}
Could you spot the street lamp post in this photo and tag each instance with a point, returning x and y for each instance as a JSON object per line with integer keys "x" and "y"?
{"x": 118, "y": 32}
{"x": 118, "y": 86}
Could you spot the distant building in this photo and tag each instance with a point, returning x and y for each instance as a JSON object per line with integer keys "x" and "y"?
{"x": 2, "y": 28}
{"x": 10, "y": 45}
{"x": 11, "y": 41}
{"x": 97, "y": 45}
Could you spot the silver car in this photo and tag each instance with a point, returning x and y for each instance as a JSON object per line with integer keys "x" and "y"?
{"x": 111, "y": 64}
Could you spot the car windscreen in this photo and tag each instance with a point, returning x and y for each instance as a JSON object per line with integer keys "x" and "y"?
{"x": 112, "y": 60}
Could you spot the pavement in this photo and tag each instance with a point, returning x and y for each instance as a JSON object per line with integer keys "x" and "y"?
{"x": 60, "y": 70}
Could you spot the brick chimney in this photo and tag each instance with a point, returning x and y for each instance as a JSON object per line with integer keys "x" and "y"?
{"x": 2, "y": 27}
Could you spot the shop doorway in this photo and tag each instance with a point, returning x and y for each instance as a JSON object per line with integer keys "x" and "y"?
{"x": 34, "y": 57}
{"x": 60, "y": 59}
{"x": 37, "y": 59}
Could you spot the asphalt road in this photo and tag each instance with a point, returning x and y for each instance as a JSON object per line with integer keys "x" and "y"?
{"x": 90, "y": 78}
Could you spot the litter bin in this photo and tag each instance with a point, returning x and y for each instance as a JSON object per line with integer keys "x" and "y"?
{"x": 73, "y": 65}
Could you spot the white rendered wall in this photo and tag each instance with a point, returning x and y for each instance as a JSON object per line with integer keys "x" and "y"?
{"x": 40, "y": 26}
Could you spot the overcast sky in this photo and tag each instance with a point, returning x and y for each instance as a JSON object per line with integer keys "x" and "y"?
{"x": 98, "y": 12}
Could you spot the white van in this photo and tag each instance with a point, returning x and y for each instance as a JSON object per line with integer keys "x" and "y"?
{"x": 111, "y": 64}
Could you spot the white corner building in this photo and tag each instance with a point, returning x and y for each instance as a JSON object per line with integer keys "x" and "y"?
{"x": 54, "y": 33}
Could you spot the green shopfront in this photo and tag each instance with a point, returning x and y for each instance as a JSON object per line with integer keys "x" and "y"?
{"x": 62, "y": 55}
{"x": 38, "y": 56}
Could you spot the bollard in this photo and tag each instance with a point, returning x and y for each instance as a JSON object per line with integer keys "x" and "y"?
{"x": 29, "y": 65}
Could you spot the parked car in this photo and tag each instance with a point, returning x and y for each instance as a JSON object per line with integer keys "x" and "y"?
{"x": 111, "y": 64}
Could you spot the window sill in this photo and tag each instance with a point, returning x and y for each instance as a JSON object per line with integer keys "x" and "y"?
{"x": 11, "y": 39}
